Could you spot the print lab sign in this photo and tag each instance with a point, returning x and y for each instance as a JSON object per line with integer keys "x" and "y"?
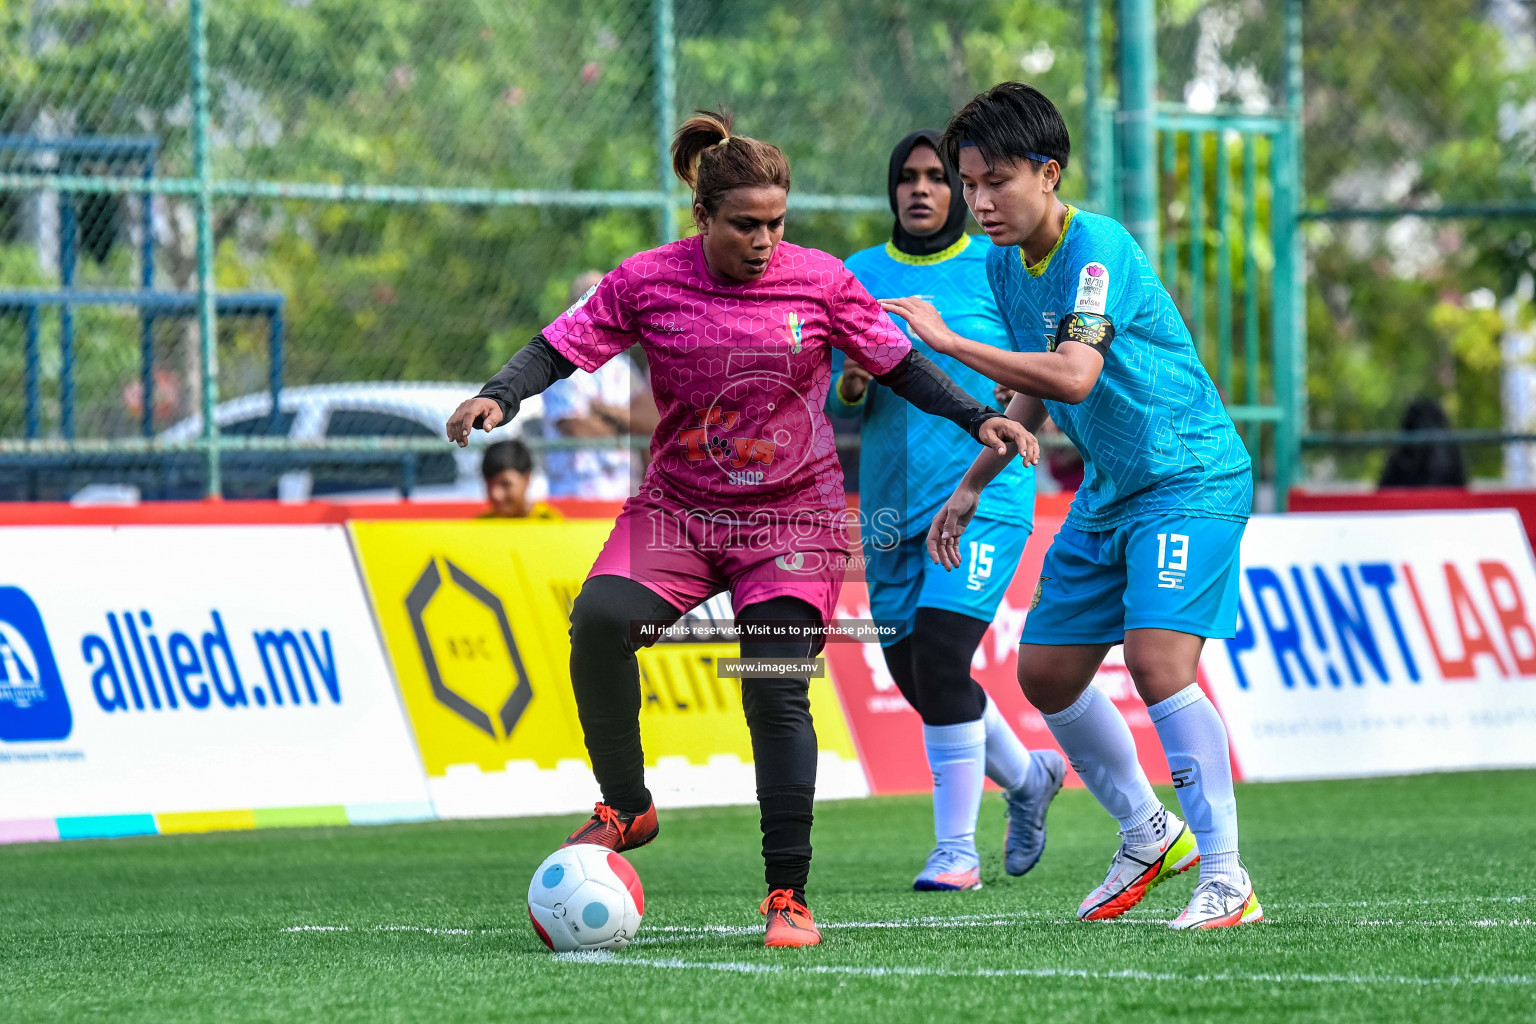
{"x": 1377, "y": 644}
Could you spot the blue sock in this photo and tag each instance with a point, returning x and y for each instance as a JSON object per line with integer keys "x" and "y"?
{"x": 1008, "y": 760}
{"x": 1196, "y": 744}
{"x": 957, "y": 757}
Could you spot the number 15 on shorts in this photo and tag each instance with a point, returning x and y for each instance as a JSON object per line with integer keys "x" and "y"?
{"x": 1172, "y": 560}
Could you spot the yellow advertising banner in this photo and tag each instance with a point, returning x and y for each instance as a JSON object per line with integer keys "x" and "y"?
{"x": 476, "y": 618}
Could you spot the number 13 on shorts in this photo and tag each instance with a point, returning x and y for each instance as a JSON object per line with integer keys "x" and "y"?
{"x": 1172, "y": 560}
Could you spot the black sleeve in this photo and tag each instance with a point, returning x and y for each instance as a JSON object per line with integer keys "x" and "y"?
{"x": 535, "y": 367}
{"x": 926, "y": 386}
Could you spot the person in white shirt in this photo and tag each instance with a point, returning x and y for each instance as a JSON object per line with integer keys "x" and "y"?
{"x": 615, "y": 400}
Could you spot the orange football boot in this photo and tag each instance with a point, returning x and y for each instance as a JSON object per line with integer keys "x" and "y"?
{"x": 615, "y": 829}
{"x": 789, "y": 921}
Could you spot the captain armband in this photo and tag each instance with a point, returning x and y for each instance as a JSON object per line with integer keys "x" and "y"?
{"x": 1089, "y": 329}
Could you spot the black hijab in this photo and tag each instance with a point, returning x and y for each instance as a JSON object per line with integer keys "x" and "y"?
{"x": 954, "y": 226}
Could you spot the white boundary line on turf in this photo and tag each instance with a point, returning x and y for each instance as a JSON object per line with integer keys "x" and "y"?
{"x": 665, "y": 934}
{"x": 396, "y": 928}
{"x": 604, "y": 958}
{"x": 1139, "y": 915}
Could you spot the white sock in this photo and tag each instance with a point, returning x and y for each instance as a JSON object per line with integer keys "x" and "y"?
{"x": 1196, "y": 744}
{"x": 956, "y": 756}
{"x": 1008, "y": 760}
{"x": 1099, "y": 747}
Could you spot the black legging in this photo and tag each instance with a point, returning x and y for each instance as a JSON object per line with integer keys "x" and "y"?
{"x": 932, "y": 666}
{"x": 606, "y": 678}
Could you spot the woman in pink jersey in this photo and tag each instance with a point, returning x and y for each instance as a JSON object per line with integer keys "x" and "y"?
{"x": 743, "y": 493}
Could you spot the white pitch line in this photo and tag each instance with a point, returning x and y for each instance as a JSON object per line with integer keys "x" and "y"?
{"x": 659, "y": 935}
{"x": 602, "y": 957}
{"x": 678, "y": 933}
{"x": 1140, "y": 915}
{"x": 396, "y": 928}
{"x": 1429, "y": 901}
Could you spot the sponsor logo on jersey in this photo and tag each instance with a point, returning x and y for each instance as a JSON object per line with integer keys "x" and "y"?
{"x": 32, "y": 701}
{"x": 1052, "y": 321}
{"x": 792, "y": 327}
{"x": 583, "y": 300}
{"x": 1092, "y": 290}
{"x": 712, "y": 440}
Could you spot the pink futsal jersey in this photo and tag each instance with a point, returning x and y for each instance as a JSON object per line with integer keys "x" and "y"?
{"x": 740, "y": 371}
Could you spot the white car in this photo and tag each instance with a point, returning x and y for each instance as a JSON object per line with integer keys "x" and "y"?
{"x": 319, "y": 411}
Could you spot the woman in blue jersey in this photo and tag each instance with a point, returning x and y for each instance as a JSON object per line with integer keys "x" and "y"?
{"x": 910, "y": 462}
{"x": 1148, "y": 556}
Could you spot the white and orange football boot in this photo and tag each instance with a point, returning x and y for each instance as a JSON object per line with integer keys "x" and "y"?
{"x": 1135, "y": 870}
{"x": 1221, "y": 902}
{"x": 789, "y": 921}
{"x": 949, "y": 870}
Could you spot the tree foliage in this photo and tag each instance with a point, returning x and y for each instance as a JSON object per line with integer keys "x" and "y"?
{"x": 1404, "y": 103}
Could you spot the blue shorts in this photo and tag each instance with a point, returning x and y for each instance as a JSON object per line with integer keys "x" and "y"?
{"x": 1165, "y": 572}
{"x": 903, "y": 578}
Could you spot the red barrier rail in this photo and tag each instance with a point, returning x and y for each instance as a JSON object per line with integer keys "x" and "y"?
{"x": 1411, "y": 499}
{"x": 253, "y": 513}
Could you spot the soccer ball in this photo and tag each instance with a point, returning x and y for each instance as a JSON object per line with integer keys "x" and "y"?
{"x": 585, "y": 897}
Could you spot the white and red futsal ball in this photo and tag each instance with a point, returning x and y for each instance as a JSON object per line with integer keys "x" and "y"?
{"x": 585, "y": 897}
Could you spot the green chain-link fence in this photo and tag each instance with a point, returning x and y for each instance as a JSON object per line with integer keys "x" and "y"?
{"x": 1426, "y": 108}
{"x": 399, "y": 191}
{"x": 409, "y": 187}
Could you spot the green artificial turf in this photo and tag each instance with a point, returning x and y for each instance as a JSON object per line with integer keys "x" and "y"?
{"x": 1389, "y": 899}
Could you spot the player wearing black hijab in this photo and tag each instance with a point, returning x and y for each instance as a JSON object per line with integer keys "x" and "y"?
{"x": 909, "y": 466}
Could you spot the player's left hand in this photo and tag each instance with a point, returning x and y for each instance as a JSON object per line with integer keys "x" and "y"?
{"x": 949, "y": 524}
{"x": 999, "y": 432}
{"x": 923, "y": 319}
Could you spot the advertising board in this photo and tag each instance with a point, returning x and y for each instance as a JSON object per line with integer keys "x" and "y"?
{"x": 476, "y": 616}
{"x": 1381, "y": 643}
{"x": 162, "y": 679}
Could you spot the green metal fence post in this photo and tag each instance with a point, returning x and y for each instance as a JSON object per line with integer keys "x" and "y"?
{"x": 1250, "y": 290}
{"x": 666, "y": 115}
{"x": 1282, "y": 218}
{"x": 207, "y": 336}
{"x": 1197, "y": 239}
{"x": 1293, "y": 173}
{"x": 1138, "y": 126}
{"x": 1093, "y": 78}
{"x": 1223, "y": 270}
{"x": 1169, "y": 238}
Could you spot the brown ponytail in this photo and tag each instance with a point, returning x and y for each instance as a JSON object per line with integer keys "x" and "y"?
{"x": 712, "y": 161}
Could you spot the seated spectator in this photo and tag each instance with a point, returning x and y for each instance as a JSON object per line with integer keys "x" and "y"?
{"x": 507, "y": 468}
{"x": 614, "y": 400}
{"x": 1435, "y": 464}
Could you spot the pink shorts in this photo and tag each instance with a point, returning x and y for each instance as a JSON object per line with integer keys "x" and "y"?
{"x": 687, "y": 559}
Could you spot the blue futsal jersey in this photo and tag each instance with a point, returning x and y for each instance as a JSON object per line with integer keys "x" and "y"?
{"x": 1154, "y": 434}
{"x": 910, "y": 462}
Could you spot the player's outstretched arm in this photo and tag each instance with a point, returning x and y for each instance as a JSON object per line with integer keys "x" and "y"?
{"x": 929, "y": 388}
{"x": 535, "y": 367}
{"x": 1065, "y": 375}
{"x": 957, "y": 512}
